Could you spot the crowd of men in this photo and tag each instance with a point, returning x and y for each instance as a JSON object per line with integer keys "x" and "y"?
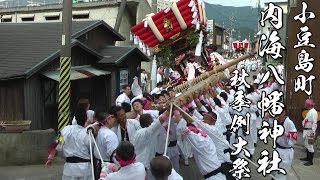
{"x": 130, "y": 139}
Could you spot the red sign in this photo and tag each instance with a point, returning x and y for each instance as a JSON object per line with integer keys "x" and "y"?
{"x": 240, "y": 45}
{"x": 235, "y": 45}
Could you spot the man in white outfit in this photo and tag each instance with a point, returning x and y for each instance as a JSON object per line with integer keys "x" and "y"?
{"x": 216, "y": 57}
{"x": 144, "y": 80}
{"x": 161, "y": 169}
{"x": 130, "y": 169}
{"x": 208, "y": 126}
{"x": 85, "y": 105}
{"x": 107, "y": 140}
{"x": 193, "y": 69}
{"x": 145, "y": 139}
{"x": 260, "y": 75}
{"x": 309, "y": 125}
{"x": 75, "y": 145}
{"x": 172, "y": 151}
{"x": 285, "y": 144}
{"x": 204, "y": 150}
{"x": 252, "y": 137}
{"x": 137, "y": 106}
{"x": 124, "y": 97}
{"x": 125, "y": 128}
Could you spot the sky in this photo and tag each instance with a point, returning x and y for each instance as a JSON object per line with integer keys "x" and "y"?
{"x": 239, "y": 3}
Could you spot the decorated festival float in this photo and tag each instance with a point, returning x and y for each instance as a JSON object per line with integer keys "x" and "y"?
{"x": 176, "y": 36}
{"x": 240, "y": 46}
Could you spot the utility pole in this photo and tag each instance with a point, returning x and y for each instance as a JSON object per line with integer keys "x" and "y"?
{"x": 232, "y": 21}
{"x": 258, "y": 14}
{"x": 153, "y": 65}
{"x": 121, "y": 11}
{"x": 214, "y": 32}
{"x": 65, "y": 65}
{"x": 154, "y": 4}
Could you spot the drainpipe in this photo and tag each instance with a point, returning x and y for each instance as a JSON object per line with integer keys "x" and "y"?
{"x": 120, "y": 14}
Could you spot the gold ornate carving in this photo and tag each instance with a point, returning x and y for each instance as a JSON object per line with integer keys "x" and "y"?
{"x": 167, "y": 24}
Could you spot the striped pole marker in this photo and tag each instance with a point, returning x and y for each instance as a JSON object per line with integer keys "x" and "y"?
{"x": 64, "y": 92}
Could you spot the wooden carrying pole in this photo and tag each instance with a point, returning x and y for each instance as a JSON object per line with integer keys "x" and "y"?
{"x": 216, "y": 70}
{"x": 201, "y": 85}
{"x": 211, "y": 77}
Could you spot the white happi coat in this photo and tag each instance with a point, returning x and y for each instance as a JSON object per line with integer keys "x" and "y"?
{"x": 133, "y": 171}
{"x": 257, "y": 97}
{"x": 269, "y": 89}
{"x": 252, "y": 137}
{"x": 192, "y": 66}
{"x": 175, "y": 176}
{"x": 172, "y": 152}
{"x": 204, "y": 151}
{"x": 191, "y": 71}
{"x": 231, "y": 95}
{"x": 154, "y": 114}
{"x": 156, "y": 90}
{"x": 221, "y": 126}
{"x": 310, "y": 122}
{"x": 122, "y": 98}
{"x": 286, "y": 155}
{"x": 218, "y": 139}
{"x": 76, "y": 144}
{"x": 217, "y": 56}
{"x": 224, "y": 111}
{"x": 196, "y": 114}
{"x": 132, "y": 127}
{"x": 260, "y": 76}
{"x": 159, "y": 78}
{"x": 144, "y": 143}
{"x": 107, "y": 142}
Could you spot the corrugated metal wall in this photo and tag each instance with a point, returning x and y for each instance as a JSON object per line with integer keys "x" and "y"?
{"x": 295, "y": 101}
{"x": 11, "y": 101}
{"x": 33, "y": 103}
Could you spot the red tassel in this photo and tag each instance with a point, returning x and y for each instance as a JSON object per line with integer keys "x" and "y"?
{"x": 52, "y": 147}
{"x": 294, "y": 135}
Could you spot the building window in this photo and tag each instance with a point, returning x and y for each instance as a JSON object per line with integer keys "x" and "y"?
{"x": 27, "y": 17}
{"x": 52, "y": 16}
{"x": 218, "y": 40}
{"x": 6, "y": 18}
{"x": 80, "y": 14}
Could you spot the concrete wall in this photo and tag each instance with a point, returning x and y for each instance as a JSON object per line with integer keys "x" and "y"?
{"x": 144, "y": 8}
{"x": 106, "y": 11}
{"x": 97, "y": 11}
{"x": 29, "y": 147}
{"x": 124, "y": 30}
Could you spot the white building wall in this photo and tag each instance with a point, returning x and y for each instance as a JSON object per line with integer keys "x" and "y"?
{"x": 97, "y": 11}
{"x": 161, "y": 4}
{"x": 107, "y": 14}
{"x": 210, "y": 25}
